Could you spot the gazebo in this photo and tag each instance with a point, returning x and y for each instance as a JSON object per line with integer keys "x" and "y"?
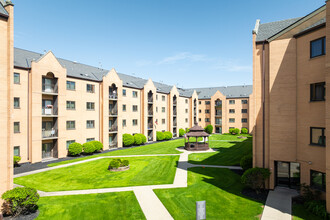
{"x": 196, "y": 131}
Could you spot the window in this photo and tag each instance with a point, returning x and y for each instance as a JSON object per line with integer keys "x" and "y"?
{"x": 207, "y": 111}
{"x": 200, "y": 110}
{"x": 70, "y": 125}
{"x": 70, "y": 85}
{"x": 90, "y": 88}
{"x": 70, "y": 105}
{"x": 90, "y": 124}
{"x": 163, "y": 121}
{"x": 90, "y": 139}
{"x": 244, "y": 101}
{"x": 232, "y": 120}
{"x": 317, "y": 91}
{"x": 207, "y": 120}
{"x": 186, "y": 120}
{"x": 135, "y": 108}
{"x": 156, "y": 109}
{"x": 17, "y": 78}
{"x": 68, "y": 143}
{"x": 317, "y": 136}
{"x": 124, "y": 122}
{"x": 317, "y": 180}
{"x": 199, "y": 119}
{"x": 200, "y": 102}
{"x": 17, "y": 151}
{"x": 124, "y": 108}
{"x": 186, "y": 101}
{"x": 207, "y": 102}
{"x": 135, "y": 122}
{"x": 156, "y": 97}
{"x": 186, "y": 110}
{"x": 124, "y": 92}
{"x": 317, "y": 47}
{"x": 163, "y": 109}
{"x": 90, "y": 106}
{"x": 231, "y": 127}
{"x": 231, "y": 102}
{"x": 244, "y": 110}
{"x": 16, "y": 103}
{"x": 244, "y": 120}
{"x": 163, "y": 98}
{"x": 16, "y": 127}
{"x": 231, "y": 110}
{"x": 135, "y": 94}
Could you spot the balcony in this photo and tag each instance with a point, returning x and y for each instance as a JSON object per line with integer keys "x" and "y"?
{"x": 150, "y": 112}
{"x": 174, "y": 102}
{"x": 150, "y": 99}
{"x": 217, "y": 122}
{"x": 113, "y": 112}
{"x": 113, "y": 96}
{"x": 49, "y": 134}
{"x": 218, "y": 105}
{"x": 113, "y": 128}
{"x": 174, "y": 111}
{"x": 174, "y": 124}
{"x": 47, "y": 111}
{"x": 150, "y": 126}
{"x": 113, "y": 144}
{"x": 49, "y": 86}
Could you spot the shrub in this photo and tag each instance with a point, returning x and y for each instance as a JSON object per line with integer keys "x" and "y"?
{"x": 246, "y": 162}
{"x": 187, "y": 130}
{"x": 17, "y": 159}
{"x": 255, "y": 178}
{"x": 308, "y": 194}
{"x": 116, "y": 163}
{"x": 137, "y": 139}
{"x": 234, "y": 131}
{"x": 317, "y": 207}
{"x": 97, "y": 145}
{"x": 168, "y": 135}
{"x": 231, "y": 130}
{"x": 244, "y": 131}
{"x": 209, "y": 129}
{"x": 75, "y": 149}
{"x": 144, "y": 138}
{"x": 125, "y": 163}
{"x": 128, "y": 140}
{"x": 20, "y": 200}
{"x": 88, "y": 148}
{"x": 181, "y": 132}
{"x": 160, "y": 136}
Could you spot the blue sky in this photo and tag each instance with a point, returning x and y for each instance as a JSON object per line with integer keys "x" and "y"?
{"x": 188, "y": 43}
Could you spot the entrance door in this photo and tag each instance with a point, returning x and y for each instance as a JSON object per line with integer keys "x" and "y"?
{"x": 47, "y": 150}
{"x": 287, "y": 174}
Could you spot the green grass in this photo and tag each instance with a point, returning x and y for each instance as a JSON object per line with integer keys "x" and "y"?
{"x": 228, "y": 154}
{"x": 220, "y": 188}
{"x": 120, "y": 205}
{"x": 228, "y": 137}
{"x": 166, "y": 147}
{"x": 95, "y": 175}
{"x": 299, "y": 213}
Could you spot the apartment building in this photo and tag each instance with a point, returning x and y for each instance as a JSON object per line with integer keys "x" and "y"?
{"x": 6, "y": 77}
{"x": 290, "y": 104}
{"x": 224, "y": 107}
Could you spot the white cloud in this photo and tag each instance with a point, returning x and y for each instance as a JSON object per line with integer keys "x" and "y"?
{"x": 232, "y": 66}
{"x": 183, "y": 56}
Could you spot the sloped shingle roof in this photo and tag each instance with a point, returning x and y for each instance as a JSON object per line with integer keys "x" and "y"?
{"x": 229, "y": 91}
{"x": 2, "y": 9}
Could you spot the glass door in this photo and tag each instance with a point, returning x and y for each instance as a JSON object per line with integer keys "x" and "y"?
{"x": 282, "y": 174}
{"x": 47, "y": 150}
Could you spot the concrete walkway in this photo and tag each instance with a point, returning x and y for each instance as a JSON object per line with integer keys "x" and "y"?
{"x": 278, "y": 204}
{"x": 151, "y": 206}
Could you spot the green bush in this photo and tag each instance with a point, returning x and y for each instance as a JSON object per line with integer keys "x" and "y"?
{"x": 17, "y": 159}
{"x": 209, "y": 129}
{"x": 255, "y": 178}
{"x": 137, "y": 139}
{"x": 187, "y": 130}
{"x": 116, "y": 163}
{"x": 128, "y": 140}
{"x": 168, "y": 135}
{"x": 88, "y": 148}
{"x": 317, "y": 207}
{"x": 181, "y": 132}
{"x": 20, "y": 200}
{"x": 246, "y": 162}
{"x": 234, "y": 131}
{"x": 231, "y": 130}
{"x": 75, "y": 149}
{"x": 144, "y": 138}
{"x": 97, "y": 145}
{"x": 244, "y": 131}
{"x": 160, "y": 136}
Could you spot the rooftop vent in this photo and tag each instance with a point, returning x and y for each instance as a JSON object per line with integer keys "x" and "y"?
{"x": 84, "y": 74}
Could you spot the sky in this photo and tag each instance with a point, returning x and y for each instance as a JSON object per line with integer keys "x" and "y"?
{"x": 187, "y": 43}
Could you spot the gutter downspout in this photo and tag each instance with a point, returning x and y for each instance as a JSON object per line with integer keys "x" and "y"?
{"x": 263, "y": 104}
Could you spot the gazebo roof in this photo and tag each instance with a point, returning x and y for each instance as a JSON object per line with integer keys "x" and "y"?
{"x": 197, "y": 131}
{"x": 196, "y": 128}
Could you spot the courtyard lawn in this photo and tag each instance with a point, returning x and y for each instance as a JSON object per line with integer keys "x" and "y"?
{"x": 220, "y": 188}
{"x": 228, "y": 153}
{"x": 119, "y": 205}
{"x": 228, "y": 137}
{"x": 299, "y": 212}
{"x": 166, "y": 147}
{"x": 95, "y": 175}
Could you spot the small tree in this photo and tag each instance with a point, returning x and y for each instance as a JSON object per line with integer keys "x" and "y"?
{"x": 246, "y": 162}
{"x": 137, "y": 139}
{"x": 244, "y": 131}
{"x": 160, "y": 136}
{"x": 255, "y": 178}
{"x": 168, "y": 135}
{"x": 75, "y": 149}
{"x": 187, "y": 130}
{"x": 181, "y": 132}
{"x": 209, "y": 129}
{"x": 128, "y": 140}
{"x": 236, "y": 130}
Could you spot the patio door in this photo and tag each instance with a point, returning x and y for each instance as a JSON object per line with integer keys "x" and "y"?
{"x": 287, "y": 174}
{"x": 47, "y": 150}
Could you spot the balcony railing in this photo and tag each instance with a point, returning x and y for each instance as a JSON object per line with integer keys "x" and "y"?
{"x": 53, "y": 133}
{"x": 113, "y": 144}
{"x": 113, "y": 111}
{"x": 174, "y": 102}
{"x": 150, "y": 138}
{"x": 150, "y": 126}
{"x": 113, "y": 128}
{"x": 113, "y": 96}
{"x": 49, "y": 111}
{"x": 218, "y": 122}
{"x": 174, "y": 123}
{"x": 218, "y": 104}
{"x": 150, "y": 99}
{"x": 150, "y": 112}
{"x": 49, "y": 88}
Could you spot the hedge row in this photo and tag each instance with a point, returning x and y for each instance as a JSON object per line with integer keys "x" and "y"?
{"x": 237, "y": 131}
{"x": 166, "y": 135}
{"x": 90, "y": 147}
{"x": 137, "y": 139}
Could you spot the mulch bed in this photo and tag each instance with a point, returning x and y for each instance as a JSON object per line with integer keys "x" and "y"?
{"x": 30, "y": 216}
{"x": 119, "y": 169}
